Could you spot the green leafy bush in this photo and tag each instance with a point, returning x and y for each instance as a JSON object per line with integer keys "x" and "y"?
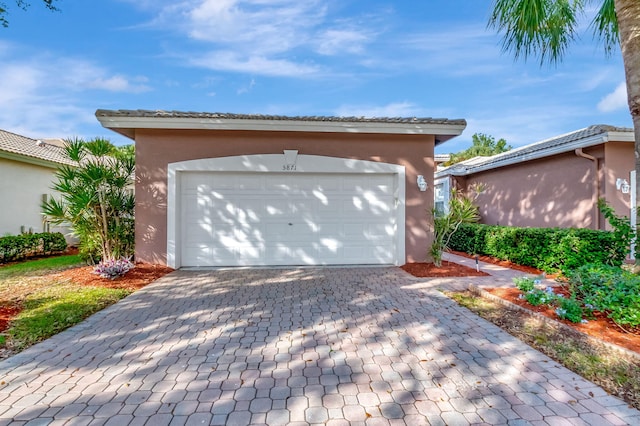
{"x": 569, "y": 309}
{"x": 524, "y": 284}
{"x": 16, "y": 247}
{"x": 566, "y": 308}
{"x": 549, "y": 249}
{"x": 538, "y": 297}
{"x": 608, "y": 289}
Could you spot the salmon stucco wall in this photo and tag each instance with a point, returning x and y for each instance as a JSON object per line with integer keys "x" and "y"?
{"x": 557, "y": 191}
{"x": 619, "y": 161}
{"x": 157, "y": 148}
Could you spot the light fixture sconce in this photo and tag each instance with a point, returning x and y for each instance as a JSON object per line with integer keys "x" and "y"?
{"x": 623, "y": 186}
{"x": 422, "y": 184}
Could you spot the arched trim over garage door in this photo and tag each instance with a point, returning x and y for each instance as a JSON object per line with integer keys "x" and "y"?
{"x": 275, "y": 209}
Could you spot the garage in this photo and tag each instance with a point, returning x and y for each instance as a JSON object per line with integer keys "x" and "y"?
{"x": 243, "y": 219}
{"x": 348, "y": 214}
{"x": 224, "y": 189}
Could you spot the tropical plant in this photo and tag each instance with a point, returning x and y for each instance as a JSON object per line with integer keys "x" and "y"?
{"x": 483, "y": 145}
{"x": 461, "y": 210}
{"x": 96, "y": 199}
{"x": 622, "y": 229}
{"x": 545, "y": 28}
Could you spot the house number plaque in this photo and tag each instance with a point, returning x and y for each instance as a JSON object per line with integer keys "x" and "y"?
{"x": 290, "y": 157}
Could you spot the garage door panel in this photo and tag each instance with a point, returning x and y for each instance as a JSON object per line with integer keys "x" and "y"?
{"x": 287, "y": 219}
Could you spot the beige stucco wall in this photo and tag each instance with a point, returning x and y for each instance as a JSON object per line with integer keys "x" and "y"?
{"x": 156, "y": 148}
{"x": 21, "y": 187}
{"x": 556, "y": 191}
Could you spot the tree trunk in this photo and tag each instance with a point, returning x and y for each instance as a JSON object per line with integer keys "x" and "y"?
{"x": 628, "y": 14}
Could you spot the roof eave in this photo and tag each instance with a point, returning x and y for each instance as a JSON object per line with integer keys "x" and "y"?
{"x": 30, "y": 160}
{"x": 127, "y": 125}
{"x": 568, "y": 147}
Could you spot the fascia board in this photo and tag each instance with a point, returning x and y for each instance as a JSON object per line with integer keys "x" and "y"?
{"x": 121, "y": 124}
{"x": 620, "y": 136}
{"x": 30, "y": 160}
{"x": 582, "y": 143}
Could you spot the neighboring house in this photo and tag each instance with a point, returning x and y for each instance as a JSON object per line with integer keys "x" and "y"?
{"x": 228, "y": 190}
{"x": 551, "y": 183}
{"x": 27, "y": 168}
{"x": 440, "y": 159}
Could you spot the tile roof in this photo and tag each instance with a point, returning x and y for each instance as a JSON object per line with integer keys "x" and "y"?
{"x": 536, "y": 149}
{"x": 22, "y": 145}
{"x": 217, "y": 115}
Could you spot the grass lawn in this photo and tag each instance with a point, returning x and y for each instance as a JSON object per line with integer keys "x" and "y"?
{"x": 49, "y": 303}
{"x": 40, "y": 266}
{"x": 55, "y": 308}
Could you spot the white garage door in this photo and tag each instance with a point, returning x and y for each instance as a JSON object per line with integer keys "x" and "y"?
{"x": 235, "y": 219}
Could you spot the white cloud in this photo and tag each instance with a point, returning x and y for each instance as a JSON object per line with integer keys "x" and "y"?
{"x": 461, "y": 50}
{"x": 246, "y": 89}
{"x": 395, "y": 109}
{"x": 231, "y": 61}
{"x": 264, "y": 37}
{"x": 41, "y": 95}
{"x": 119, "y": 83}
{"x": 340, "y": 41}
{"x": 615, "y": 100}
{"x": 266, "y": 26}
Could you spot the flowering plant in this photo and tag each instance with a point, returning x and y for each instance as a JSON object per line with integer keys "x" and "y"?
{"x": 113, "y": 268}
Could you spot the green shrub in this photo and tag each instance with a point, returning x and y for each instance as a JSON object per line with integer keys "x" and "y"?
{"x": 17, "y": 247}
{"x": 608, "y": 289}
{"x": 538, "y": 297}
{"x": 548, "y": 249}
{"x": 524, "y": 284}
{"x": 569, "y": 309}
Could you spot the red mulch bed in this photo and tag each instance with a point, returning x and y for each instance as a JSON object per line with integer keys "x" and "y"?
{"x": 599, "y": 327}
{"x": 447, "y": 269}
{"x": 135, "y": 279}
{"x": 7, "y": 313}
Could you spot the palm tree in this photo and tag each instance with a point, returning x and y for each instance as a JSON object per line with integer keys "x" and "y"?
{"x": 545, "y": 28}
{"x": 96, "y": 198}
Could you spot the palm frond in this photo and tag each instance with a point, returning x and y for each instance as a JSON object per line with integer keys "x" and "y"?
{"x": 542, "y": 28}
{"x": 605, "y": 26}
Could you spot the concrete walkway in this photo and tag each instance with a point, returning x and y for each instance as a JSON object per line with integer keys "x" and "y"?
{"x": 500, "y": 276}
{"x": 343, "y": 346}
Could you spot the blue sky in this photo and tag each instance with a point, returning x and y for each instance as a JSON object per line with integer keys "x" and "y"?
{"x": 288, "y": 57}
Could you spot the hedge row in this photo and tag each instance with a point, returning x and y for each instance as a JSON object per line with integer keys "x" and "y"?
{"x": 15, "y": 247}
{"x": 548, "y": 249}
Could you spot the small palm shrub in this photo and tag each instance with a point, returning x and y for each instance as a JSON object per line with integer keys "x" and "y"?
{"x": 96, "y": 199}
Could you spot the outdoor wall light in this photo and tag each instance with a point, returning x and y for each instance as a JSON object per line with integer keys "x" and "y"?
{"x": 623, "y": 185}
{"x": 422, "y": 184}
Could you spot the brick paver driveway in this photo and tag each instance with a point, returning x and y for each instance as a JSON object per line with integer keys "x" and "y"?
{"x": 307, "y": 346}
